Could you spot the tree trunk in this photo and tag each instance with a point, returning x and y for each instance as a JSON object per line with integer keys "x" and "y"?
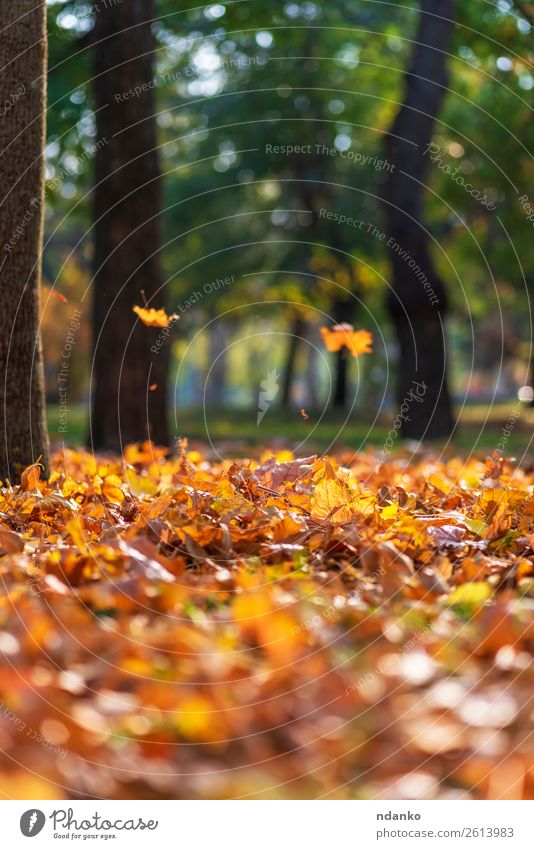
{"x": 298, "y": 328}
{"x": 339, "y": 399}
{"x": 22, "y": 136}
{"x": 417, "y": 301}
{"x": 312, "y": 370}
{"x": 128, "y": 356}
{"x": 343, "y": 311}
{"x": 215, "y": 387}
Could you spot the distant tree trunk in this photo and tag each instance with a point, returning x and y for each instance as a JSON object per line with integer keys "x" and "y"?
{"x": 418, "y": 301}
{"x": 298, "y": 328}
{"x": 339, "y": 398}
{"x": 312, "y": 370}
{"x": 23, "y": 51}
{"x": 344, "y": 310}
{"x": 215, "y": 389}
{"x": 127, "y": 207}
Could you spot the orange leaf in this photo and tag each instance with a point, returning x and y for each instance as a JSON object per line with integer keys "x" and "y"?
{"x": 30, "y": 476}
{"x": 111, "y": 489}
{"x": 343, "y": 335}
{"x": 154, "y": 318}
{"x": 10, "y": 542}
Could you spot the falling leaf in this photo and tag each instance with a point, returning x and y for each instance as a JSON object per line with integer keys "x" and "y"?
{"x": 304, "y": 414}
{"x": 154, "y": 318}
{"x": 343, "y": 335}
{"x": 59, "y": 296}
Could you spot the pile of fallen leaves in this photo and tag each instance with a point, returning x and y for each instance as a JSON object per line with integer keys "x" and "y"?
{"x": 177, "y": 627}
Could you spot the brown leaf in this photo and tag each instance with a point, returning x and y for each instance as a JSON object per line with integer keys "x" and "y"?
{"x": 10, "y": 543}
{"x": 273, "y": 474}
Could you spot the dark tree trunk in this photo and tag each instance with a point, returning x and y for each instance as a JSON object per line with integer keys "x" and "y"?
{"x": 312, "y": 370}
{"x": 215, "y": 386}
{"x": 23, "y": 48}
{"x": 297, "y": 331}
{"x": 343, "y": 311}
{"x": 417, "y": 301}
{"x": 339, "y": 399}
{"x": 127, "y": 207}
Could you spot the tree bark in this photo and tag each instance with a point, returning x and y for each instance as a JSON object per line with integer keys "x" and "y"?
{"x": 127, "y": 208}
{"x": 417, "y": 301}
{"x": 298, "y": 328}
{"x": 23, "y": 51}
{"x": 344, "y": 310}
{"x": 312, "y": 370}
{"x": 215, "y": 386}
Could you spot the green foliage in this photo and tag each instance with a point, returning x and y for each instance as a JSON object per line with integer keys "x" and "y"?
{"x": 327, "y": 80}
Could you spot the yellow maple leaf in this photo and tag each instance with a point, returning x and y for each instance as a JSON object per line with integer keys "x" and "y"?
{"x": 154, "y": 318}
{"x": 330, "y": 501}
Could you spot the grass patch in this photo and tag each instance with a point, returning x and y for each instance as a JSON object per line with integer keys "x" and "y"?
{"x": 479, "y": 430}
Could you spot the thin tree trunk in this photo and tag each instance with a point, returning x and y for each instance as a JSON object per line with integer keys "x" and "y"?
{"x": 339, "y": 399}
{"x": 298, "y": 328}
{"x": 343, "y": 311}
{"x": 312, "y": 370}
{"x": 23, "y": 57}
{"x": 215, "y": 389}
{"x": 418, "y": 301}
{"x": 127, "y": 207}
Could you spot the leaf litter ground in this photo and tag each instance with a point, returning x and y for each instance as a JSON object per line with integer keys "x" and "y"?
{"x": 179, "y": 627}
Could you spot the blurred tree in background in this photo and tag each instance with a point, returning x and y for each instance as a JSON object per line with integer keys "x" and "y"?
{"x": 129, "y": 385}
{"x": 271, "y": 124}
{"x": 418, "y": 299}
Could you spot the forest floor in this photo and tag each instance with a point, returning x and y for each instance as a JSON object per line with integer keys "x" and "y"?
{"x": 183, "y": 627}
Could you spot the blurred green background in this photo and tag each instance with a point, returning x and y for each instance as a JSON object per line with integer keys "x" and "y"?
{"x": 234, "y": 84}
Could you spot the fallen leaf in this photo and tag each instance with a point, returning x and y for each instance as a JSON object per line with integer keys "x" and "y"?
{"x": 10, "y": 543}
{"x": 29, "y": 478}
{"x": 330, "y": 500}
{"x": 273, "y": 474}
